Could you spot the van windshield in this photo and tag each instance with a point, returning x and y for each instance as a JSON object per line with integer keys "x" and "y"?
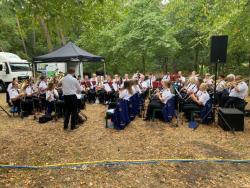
{"x": 18, "y": 67}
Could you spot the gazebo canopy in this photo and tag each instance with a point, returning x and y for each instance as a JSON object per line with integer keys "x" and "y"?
{"x": 68, "y": 53}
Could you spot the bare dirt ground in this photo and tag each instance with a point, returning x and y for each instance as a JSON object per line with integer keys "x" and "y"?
{"x": 26, "y": 142}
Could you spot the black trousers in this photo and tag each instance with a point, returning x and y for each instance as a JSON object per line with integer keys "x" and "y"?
{"x": 235, "y": 102}
{"x": 154, "y": 104}
{"x": 70, "y": 110}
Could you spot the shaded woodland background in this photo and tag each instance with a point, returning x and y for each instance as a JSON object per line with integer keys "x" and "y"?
{"x": 144, "y": 35}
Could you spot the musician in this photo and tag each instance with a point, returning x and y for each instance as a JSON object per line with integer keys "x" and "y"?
{"x": 220, "y": 87}
{"x": 126, "y": 92}
{"x": 42, "y": 87}
{"x": 92, "y": 89}
{"x": 8, "y": 89}
{"x": 70, "y": 87}
{"x": 150, "y": 80}
{"x": 143, "y": 83}
{"x": 51, "y": 96}
{"x": 166, "y": 77}
{"x": 194, "y": 75}
{"x": 199, "y": 100}
{"x": 237, "y": 94}
{"x": 228, "y": 87}
{"x": 181, "y": 79}
{"x": 160, "y": 99}
{"x": 126, "y": 77}
{"x": 100, "y": 92}
{"x": 15, "y": 97}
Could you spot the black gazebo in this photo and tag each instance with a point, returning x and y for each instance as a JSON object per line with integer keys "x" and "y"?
{"x": 70, "y": 53}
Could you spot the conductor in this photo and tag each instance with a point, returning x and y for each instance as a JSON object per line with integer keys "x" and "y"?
{"x": 70, "y": 87}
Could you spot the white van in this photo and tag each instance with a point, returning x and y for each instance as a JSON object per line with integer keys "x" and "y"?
{"x": 12, "y": 66}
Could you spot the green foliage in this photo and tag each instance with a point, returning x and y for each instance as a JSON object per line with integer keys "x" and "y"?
{"x": 133, "y": 35}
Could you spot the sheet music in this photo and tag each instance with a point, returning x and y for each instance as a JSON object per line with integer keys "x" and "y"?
{"x": 107, "y": 87}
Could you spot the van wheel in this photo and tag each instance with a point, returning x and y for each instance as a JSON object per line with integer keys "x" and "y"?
{"x": 2, "y": 87}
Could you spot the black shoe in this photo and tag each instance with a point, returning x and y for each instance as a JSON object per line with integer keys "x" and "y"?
{"x": 65, "y": 128}
{"x": 73, "y": 128}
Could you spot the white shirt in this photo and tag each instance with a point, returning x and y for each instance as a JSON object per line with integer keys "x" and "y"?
{"x": 221, "y": 86}
{"x": 9, "y": 87}
{"x": 29, "y": 90}
{"x": 70, "y": 85}
{"x": 51, "y": 95}
{"x": 166, "y": 78}
{"x": 203, "y": 97}
{"x": 13, "y": 93}
{"x": 42, "y": 87}
{"x": 124, "y": 94}
{"x": 166, "y": 95}
{"x": 242, "y": 93}
{"x": 136, "y": 89}
{"x": 182, "y": 79}
{"x": 144, "y": 84}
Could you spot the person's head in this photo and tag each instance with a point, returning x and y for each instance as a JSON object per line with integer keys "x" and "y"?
{"x": 86, "y": 77}
{"x": 230, "y": 77}
{"x": 207, "y": 75}
{"x": 142, "y": 78}
{"x": 203, "y": 87}
{"x": 15, "y": 85}
{"x": 126, "y": 76}
{"x": 192, "y": 80}
{"x": 166, "y": 84}
{"x": 199, "y": 81}
{"x": 71, "y": 71}
{"x": 42, "y": 78}
{"x": 94, "y": 75}
{"x": 193, "y": 73}
{"x": 222, "y": 77}
{"x": 116, "y": 76}
{"x": 51, "y": 86}
{"x": 79, "y": 77}
{"x": 179, "y": 73}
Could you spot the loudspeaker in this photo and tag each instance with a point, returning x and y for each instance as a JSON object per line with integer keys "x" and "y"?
{"x": 219, "y": 49}
{"x": 231, "y": 118}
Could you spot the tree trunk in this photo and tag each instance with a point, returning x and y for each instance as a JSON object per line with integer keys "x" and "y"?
{"x": 249, "y": 75}
{"x": 21, "y": 35}
{"x": 63, "y": 40}
{"x": 196, "y": 60}
{"x": 143, "y": 64}
{"x": 46, "y": 34}
{"x": 34, "y": 41}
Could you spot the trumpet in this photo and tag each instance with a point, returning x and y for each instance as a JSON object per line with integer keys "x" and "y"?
{"x": 235, "y": 83}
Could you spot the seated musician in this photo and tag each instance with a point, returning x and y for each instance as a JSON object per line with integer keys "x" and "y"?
{"x": 194, "y": 75}
{"x": 181, "y": 79}
{"x": 220, "y": 86}
{"x": 109, "y": 89}
{"x": 51, "y": 96}
{"x": 166, "y": 77}
{"x": 15, "y": 97}
{"x": 29, "y": 94}
{"x": 237, "y": 94}
{"x": 92, "y": 89}
{"x": 126, "y": 92}
{"x": 190, "y": 88}
{"x": 100, "y": 92}
{"x": 160, "y": 99}
{"x": 42, "y": 87}
{"x": 8, "y": 89}
{"x": 199, "y": 100}
{"x": 228, "y": 87}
